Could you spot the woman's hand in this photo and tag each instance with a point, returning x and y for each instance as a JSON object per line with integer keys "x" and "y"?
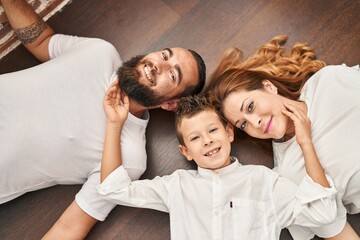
{"x": 116, "y": 111}
{"x": 303, "y": 137}
{"x": 302, "y": 124}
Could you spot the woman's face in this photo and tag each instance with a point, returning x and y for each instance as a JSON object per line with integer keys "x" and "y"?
{"x": 257, "y": 112}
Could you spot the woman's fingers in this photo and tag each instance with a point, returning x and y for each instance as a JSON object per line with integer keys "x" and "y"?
{"x": 297, "y": 112}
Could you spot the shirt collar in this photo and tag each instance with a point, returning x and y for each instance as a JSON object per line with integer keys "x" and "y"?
{"x": 206, "y": 172}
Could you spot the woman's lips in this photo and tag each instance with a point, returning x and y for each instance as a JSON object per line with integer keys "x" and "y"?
{"x": 268, "y": 126}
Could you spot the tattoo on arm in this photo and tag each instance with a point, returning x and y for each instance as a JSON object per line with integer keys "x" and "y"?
{"x": 30, "y": 33}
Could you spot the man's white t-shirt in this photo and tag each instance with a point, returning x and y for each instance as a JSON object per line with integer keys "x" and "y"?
{"x": 52, "y": 123}
{"x": 332, "y": 96}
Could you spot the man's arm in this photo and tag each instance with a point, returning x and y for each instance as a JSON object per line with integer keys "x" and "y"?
{"x": 29, "y": 28}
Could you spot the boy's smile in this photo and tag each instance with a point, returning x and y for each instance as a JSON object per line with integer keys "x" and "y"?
{"x": 207, "y": 141}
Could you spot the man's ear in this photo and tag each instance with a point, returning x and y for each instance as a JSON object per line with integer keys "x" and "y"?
{"x": 184, "y": 151}
{"x": 230, "y": 131}
{"x": 170, "y": 105}
{"x": 269, "y": 86}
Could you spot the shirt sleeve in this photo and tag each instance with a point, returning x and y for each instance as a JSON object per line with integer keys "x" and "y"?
{"x": 90, "y": 201}
{"x": 119, "y": 189}
{"x": 60, "y": 43}
{"x": 308, "y": 205}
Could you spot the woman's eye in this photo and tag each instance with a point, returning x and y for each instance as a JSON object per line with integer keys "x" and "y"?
{"x": 250, "y": 107}
{"x": 164, "y": 56}
{"x": 243, "y": 125}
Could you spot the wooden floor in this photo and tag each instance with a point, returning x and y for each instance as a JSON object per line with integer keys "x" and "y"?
{"x": 332, "y": 27}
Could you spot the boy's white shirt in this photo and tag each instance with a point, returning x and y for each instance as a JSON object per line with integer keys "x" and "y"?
{"x": 251, "y": 202}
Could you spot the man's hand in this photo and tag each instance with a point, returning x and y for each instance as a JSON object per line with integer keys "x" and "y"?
{"x": 116, "y": 111}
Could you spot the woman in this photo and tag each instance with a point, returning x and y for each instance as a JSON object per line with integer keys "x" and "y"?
{"x": 253, "y": 95}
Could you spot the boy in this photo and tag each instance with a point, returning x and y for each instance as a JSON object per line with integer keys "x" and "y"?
{"x": 221, "y": 199}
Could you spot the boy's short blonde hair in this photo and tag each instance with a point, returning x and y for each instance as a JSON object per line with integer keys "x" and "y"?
{"x": 189, "y": 106}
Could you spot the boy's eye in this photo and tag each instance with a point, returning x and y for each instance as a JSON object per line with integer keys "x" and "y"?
{"x": 213, "y": 130}
{"x": 164, "y": 56}
{"x": 243, "y": 125}
{"x": 194, "y": 138}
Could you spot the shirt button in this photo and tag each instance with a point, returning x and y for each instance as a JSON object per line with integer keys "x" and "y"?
{"x": 216, "y": 212}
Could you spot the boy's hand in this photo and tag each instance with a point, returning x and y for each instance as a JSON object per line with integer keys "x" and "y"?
{"x": 116, "y": 111}
{"x": 301, "y": 122}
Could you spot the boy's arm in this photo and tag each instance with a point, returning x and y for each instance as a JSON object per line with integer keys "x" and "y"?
{"x": 116, "y": 114}
{"x": 74, "y": 223}
{"x": 29, "y": 28}
{"x": 303, "y": 136}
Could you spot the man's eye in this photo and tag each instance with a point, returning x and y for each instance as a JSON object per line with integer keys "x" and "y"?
{"x": 164, "y": 56}
{"x": 172, "y": 76}
{"x": 243, "y": 125}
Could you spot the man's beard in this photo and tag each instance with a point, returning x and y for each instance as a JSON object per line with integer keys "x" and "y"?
{"x": 130, "y": 84}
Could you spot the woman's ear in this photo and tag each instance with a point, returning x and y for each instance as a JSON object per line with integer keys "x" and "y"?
{"x": 184, "y": 151}
{"x": 269, "y": 86}
{"x": 230, "y": 131}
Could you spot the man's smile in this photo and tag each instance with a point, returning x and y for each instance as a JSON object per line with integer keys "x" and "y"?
{"x": 148, "y": 74}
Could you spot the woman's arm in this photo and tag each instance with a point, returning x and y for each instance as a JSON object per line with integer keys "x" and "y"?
{"x": 303, "y": 136}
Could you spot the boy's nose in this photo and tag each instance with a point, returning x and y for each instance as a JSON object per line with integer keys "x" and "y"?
{"x": 208, "y": 141}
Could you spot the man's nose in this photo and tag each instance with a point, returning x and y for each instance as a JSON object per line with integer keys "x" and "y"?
{"x": 159, "y": 66}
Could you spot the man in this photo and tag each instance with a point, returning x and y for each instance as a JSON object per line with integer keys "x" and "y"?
{"x": 52, "y": 124}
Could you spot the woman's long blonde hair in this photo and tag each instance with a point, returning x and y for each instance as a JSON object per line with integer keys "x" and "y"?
{"x": 287, "y": 70}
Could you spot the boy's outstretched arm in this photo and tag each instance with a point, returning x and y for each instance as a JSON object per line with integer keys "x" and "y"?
{"x": 303, "y": 137}
{"x": 74, "y": 223}
{"x": 116, "y": 112}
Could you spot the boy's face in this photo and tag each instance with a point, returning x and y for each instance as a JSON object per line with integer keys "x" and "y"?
{"x": 207, "y": 141}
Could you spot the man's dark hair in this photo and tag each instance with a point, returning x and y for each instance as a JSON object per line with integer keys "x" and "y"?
{"x": 189, "y": 106}
{"x": 202, "y": 76}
